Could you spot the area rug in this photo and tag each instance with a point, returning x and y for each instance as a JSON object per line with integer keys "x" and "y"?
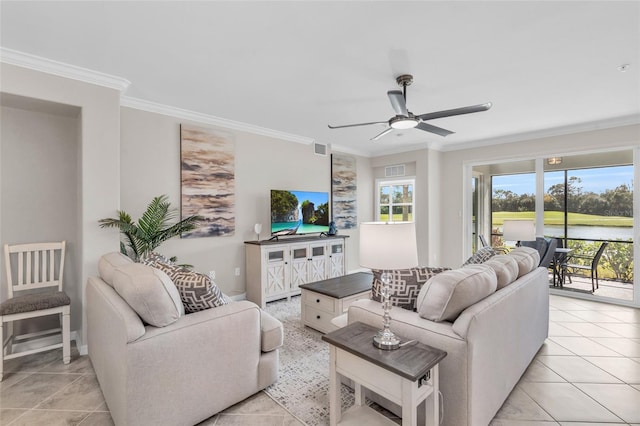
{"x": 303, "y": 384}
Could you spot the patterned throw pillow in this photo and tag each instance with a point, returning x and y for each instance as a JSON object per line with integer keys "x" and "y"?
{"x": 197, "y": 291}
{"x": 405, "y": 285}
{"x": 480, "y": 256}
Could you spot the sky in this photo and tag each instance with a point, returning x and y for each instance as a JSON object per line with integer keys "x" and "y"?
{"x": 593, "y": 180}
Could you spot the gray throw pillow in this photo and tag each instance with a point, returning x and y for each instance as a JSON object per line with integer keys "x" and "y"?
{"x": 405, "y": 285}
{"x": 196, "y": 290}
{"x": 480, "y": 256}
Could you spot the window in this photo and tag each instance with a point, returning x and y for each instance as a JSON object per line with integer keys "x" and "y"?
{"x": 513, "y": 197}
{"x": 395, "y": 200}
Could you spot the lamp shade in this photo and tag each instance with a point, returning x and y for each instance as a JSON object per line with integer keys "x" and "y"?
{"x": 518, "y": 230}
{"x": 388, "y": 245}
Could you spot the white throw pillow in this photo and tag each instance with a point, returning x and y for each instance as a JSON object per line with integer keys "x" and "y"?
{"x": 528, "y": 259}
{"x": 449, "y": 293}
{"x": 109, "y": 262}
{"x": 505, "y": 267}
{"x": 150, "y": 292}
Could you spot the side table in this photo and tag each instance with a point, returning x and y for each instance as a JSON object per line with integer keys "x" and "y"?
{"x": 324, "y": 300}
{"x": 406, "y": 376}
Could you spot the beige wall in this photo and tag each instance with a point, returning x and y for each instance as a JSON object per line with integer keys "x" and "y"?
{"x": 39, "y": 190}
{"x": 453, "y": 163}
{"x": 99, "y": 158}
{"x": 150, "y": 166}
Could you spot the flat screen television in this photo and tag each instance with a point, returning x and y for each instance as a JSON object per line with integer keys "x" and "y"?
{"x": 299, "y": 212}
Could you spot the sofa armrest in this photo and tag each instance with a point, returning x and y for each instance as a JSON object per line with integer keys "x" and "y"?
{"x": 271, "y": 332}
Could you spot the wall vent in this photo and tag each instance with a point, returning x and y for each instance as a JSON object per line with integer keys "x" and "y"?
{"x": 320, "y": 149}
{"x": 394, "y": 171}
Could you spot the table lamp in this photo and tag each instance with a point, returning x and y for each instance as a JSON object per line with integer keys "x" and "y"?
{"x": 518, "y": 230}
{"x": 387, "y": 246}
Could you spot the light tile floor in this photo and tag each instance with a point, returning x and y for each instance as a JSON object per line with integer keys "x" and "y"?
{"x": 587, "y": 373}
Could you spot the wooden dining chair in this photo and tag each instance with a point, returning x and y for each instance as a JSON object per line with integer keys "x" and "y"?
{"x": 34, "y": 277}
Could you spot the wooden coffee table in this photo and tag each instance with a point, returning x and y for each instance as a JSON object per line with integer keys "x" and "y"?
{"x": 324, "y": 300}
{"x": 406, "y": 376}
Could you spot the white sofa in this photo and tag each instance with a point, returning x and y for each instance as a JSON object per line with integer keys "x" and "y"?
{"x": 489, "y": 345}
{"x": 184, "y": 372}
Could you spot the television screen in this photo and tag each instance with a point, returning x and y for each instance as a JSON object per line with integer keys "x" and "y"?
{"x": 299, "y": 212}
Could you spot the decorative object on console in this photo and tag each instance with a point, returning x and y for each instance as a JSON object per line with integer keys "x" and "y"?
{"x": 518, "y": 230}
{"x": 258, "y": 229}
{"x": 207, "y": 175}
{"x": 343, "y": 191}
{"x": 151, "y": 230}
{"x": 387, "y": 246}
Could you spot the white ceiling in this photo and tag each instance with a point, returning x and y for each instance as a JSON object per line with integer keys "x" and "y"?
{"x": 547, "y": 67}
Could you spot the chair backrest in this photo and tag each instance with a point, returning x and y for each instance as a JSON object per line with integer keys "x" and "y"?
{"x": 545, "y": 260}
{"x": 596, "y": 258}
{"x": 33, "y": 266}
{"x": 539, "y": 244}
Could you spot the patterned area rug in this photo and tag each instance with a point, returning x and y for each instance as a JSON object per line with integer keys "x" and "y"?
{"x": 303, "y": 385}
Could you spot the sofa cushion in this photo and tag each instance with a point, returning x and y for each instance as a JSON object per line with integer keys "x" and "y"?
{"x": 271, "y": 332}
{"x": 149, "y": 292}
{"x": 527, "y": 258}
{"x": 480, "y": 256}
{"x": 505, "y": 267}
{"x": 109, "y": 262}
{"x": 405, "y": 285}
{"x": 197, "y": 291}
{"x": 446, "y": 295}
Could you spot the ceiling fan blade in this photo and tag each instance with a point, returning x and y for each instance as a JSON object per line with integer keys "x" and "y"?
{"x": 397, "y": 102}
{"x": 356, "y": 125}
{"x": 433, "y": 129}
{"x": 455, "y": 111}
{"x": 384, "y": 132}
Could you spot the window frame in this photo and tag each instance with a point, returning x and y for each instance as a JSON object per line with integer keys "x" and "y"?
{"x": 382, "y": 182}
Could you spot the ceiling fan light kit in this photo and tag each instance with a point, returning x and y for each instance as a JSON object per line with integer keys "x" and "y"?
{"x": 405, "y": 119}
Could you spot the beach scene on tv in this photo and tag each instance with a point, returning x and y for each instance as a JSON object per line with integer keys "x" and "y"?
{"x": 299, "y": 212}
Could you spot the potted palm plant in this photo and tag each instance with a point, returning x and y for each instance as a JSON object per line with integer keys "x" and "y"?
{"x": 152, "y": 229}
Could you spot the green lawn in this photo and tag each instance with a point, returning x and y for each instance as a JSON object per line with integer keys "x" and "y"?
{"x": 557, "y": 218}
{"x": 396, "y": 218}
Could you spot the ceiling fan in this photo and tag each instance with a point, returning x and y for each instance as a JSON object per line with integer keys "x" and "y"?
{"x": 405, "y": 119}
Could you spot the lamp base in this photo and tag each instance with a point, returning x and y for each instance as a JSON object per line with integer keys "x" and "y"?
{"x": 386, "y": 340}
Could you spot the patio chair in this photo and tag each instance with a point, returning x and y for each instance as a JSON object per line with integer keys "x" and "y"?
{"x": 545, "y": 246}
{"x": 559, "y": 263}
{"x": 483, "y": 241}
{"x": 36, "y": 267}
{"x": 592, "y": 265}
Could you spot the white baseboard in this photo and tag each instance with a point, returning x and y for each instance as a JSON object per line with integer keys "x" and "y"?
{"x": 46, "y": 341}
{"x": 237, "y": 296}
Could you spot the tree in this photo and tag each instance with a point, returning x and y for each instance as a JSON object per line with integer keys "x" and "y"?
{"x": 283, "y": 202}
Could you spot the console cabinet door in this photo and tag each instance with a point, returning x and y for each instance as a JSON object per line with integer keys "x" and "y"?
{"x": 299, "y": 265}
{"x": 318, "y": 262}
{"x": 335, "y": 265}
{"x": 277, "y": 274}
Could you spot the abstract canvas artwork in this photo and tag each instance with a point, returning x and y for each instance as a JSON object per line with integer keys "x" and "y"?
{"x": 207, "y": 175}
{"x": 343, "y": 191}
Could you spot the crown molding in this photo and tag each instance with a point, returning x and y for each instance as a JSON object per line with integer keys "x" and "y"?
{"x": 543, "y": 133}
{"x": 49, "y": 66}
{"x": 130, "y": 102}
